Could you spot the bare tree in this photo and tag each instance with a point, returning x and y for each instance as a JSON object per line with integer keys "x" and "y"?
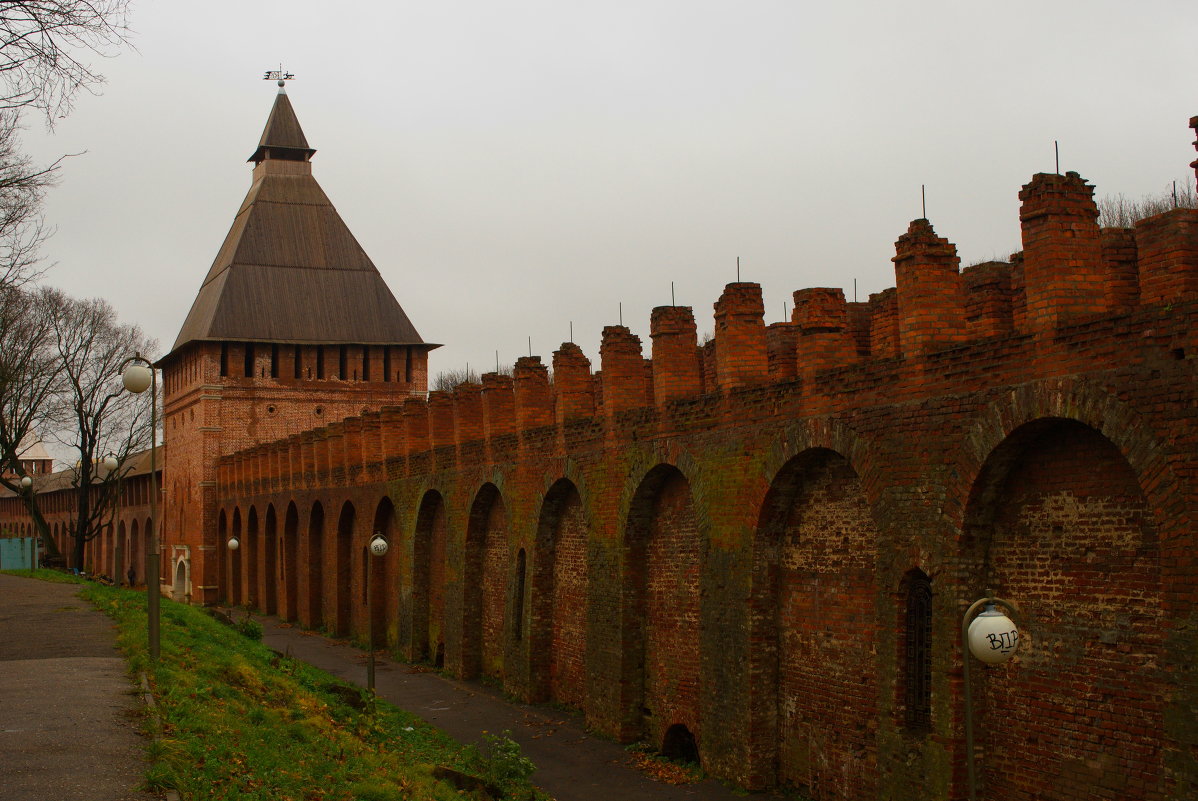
{"x": 30, "y": 384}
{"x": 447, "y": 380}
{"x": 1119, "y": 211}
{"x": 42, "y": 43}
{"x": 100, "y": 418}
{"x": 44, "y": 47}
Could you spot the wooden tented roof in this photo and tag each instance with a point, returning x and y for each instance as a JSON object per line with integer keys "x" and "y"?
{"x": 289, "y": 270}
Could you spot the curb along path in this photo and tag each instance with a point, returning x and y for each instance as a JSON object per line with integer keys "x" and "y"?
{"x": 572, "y": 765}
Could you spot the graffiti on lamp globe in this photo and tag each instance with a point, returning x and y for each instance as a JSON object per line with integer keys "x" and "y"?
{"x": 993, "y": 638}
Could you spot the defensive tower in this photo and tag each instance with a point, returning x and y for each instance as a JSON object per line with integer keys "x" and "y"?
{"x": 293, "y": 327}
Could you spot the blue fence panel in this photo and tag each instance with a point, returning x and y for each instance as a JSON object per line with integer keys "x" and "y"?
{"x": 18, "y": 553}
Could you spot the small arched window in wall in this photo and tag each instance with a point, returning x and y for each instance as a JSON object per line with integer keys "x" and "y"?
{"x": 917, "y": 653}
{"x": 521, "y": 572}
{"x": 224, "y": 358}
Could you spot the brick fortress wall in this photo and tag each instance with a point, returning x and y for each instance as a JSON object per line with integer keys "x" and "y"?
{"x": 220, "y": 398}
{"x": 728, "y": 542}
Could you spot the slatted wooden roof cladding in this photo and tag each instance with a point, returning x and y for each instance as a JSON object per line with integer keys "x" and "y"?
{"x": 289, "y": 270}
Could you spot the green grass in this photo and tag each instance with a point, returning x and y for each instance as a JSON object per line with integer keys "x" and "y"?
{"x": 45, "y": 574}
{"x": 241, "y": 722}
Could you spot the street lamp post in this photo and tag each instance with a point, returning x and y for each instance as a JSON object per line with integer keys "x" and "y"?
{"x": 118, "y": 552}
{"x": 138, "y": 375}
{"x": 992, "y": 638}
{"x": 378, "y": 548}
{"x": 27, "y": 486}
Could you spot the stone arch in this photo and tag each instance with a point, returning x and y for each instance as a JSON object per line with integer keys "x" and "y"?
{"x": 560, "y": 583}
{"x": 250, "y": 579}
{"x": 1058, "y": 523}
{"x": 660, "y": 615}
{"x": 270, "y": 561}
{"x": 384, "y": 588}
{"x": 344, "y": 570}
{"x": 429, "y": 546}
{"x": 485, "y": 584}
{"x": 289, "y": 563}
{"x": 314, "y": 572}
{"x": 812, "y": 606}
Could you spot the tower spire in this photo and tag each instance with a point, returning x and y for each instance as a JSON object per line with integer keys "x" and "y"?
{"x": 282, "y": 138}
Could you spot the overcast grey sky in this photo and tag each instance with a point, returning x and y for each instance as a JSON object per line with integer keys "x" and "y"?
{"x": 515, "y": 167}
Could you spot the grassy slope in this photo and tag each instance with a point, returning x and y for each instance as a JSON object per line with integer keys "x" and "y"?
{"x": 240, "y": 722}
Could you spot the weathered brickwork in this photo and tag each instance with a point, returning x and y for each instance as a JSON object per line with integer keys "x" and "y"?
{"x": 724, "y": 546}
{"x": 718, "y": 546}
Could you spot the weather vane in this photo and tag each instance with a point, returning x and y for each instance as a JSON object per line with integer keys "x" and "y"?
{"x": 278, "y": 75}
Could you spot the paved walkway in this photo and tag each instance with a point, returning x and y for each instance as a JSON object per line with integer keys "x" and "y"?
{"x": 571, "y": 764}
{"x": 68, "y": 711}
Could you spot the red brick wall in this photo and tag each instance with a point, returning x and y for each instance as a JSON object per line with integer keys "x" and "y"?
{"x": 825, "y": 629}
{"x": 567, "y": 651}
{"x": 664, "y": 574}
{"x": 1079, "y": 713}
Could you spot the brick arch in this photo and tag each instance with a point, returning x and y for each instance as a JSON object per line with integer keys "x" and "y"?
{"x": 236, "y": 558}
{"x": 560, "y": 596}
{"x": 1084, "y": 402}
{"x": 1059, "y": 523}
{"x": 121, "y": 554}
{"x": 222, "y": 550}
{"x": 385, "y": 573}
{"x": 828, "y": 433}
{"x": 251, "y": 545}
{"x": 814, "y": 627}
{"x": 289, "y": 563}
{"x": 343, "y": 571}
{"x": 269, "y": 563}
{"x": 430, "y": 540}
{"x": 485, "y": 584}
{"x": 313, "y": 607}
{"x": 663, "y": 547}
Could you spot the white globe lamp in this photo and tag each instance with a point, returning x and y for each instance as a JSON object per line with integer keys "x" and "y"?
{"x": 993, "y": 637}
{"x": 136, "y": 378}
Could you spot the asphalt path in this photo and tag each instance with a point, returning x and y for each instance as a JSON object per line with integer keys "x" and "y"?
{"x": 68, "y": 709}
{"x": 572, "y": 764}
